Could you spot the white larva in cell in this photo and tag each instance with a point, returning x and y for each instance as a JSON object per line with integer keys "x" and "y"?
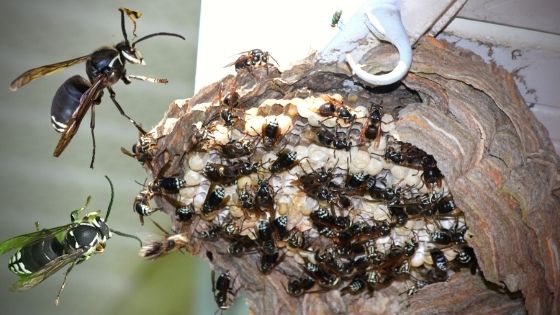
{"x": 221, "y": 134}
{"x": 244, "y": 181}
{"x": 387, "y": 123}
{"x": 304, "y": 110}
{"x": 447, "y": 223}
{"x": 289, "y": 189}
{"x": 268, "y": 158}
{"x": 378, "y": 148}
{"x": 410, "y": 224}
{"x": 199, "y": 199}
{"x": 304, "y": 226}
{"x": 311, "y": 203}
{"x": 360, "y": 160}
{"x": 339, "y": 158}
{"x": 236, "y": 134}
{"x": 367, "y": 208}
{"x": 284, "y": 123}
{"x": 251, "y": 112}
{"x": 413, "y": 179}
{"x": 317, "y": 158}
{"x": 417, "y": 259}
{"x": 399, "y": 172}
{"x": 331, "y": 122}
{"x": 381, "y": 213}
{"x": 314, "y": 120}
{"x": 253, "y": 125}
{"x": 312, "y": 148}
{"x": 302, "y": 150}
{"x": 383, "y": 243}
{"x": 418, "y": 225}
{"x": 308, "y": 205}
{"x": 192, "y": 178}
{"x": 188, "y": 193}
{"x": 281, "y": 102}
{"x": 294, "y": 100}
{"x": 449, "y": 253}
{"x": 337, "y": 97}
{"x": 360, "y": 112}
{"x": 284, "y": 202}
{"x": 387, "y": 165}
{"x": 197, "y": 161}
{"x": 423, "y": 235}
{"x": 313, "y": 103}
{"x": 374, "y": 167}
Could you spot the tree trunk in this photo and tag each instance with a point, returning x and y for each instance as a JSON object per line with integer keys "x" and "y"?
{"x": 497, "y": 160}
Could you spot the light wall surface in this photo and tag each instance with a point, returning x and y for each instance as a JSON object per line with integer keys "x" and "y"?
{"x": 38, "y": 187}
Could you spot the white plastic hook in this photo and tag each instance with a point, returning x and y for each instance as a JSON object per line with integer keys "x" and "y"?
{"x": 384, "y": 21}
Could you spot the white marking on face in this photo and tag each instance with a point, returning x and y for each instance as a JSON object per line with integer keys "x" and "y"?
{"x": 133, "y": 59}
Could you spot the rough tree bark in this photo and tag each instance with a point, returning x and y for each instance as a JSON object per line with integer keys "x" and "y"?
{"x": 496, "y": 157}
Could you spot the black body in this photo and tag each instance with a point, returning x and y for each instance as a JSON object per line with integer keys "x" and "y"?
{"x": 214, "y": 200}
{"x": 35, "y": 256}
{"x": 76, "y": 96}
{"x": 66, "y": 100}
{"x": 220, "y": 288}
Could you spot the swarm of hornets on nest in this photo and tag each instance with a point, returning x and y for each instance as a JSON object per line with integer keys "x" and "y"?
{"x": 315, "y": 181}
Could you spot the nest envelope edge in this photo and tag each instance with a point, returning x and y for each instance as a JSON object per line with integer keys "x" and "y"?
{"x": 497, "y": 159}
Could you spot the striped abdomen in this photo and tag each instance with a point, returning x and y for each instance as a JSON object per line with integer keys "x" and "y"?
{"x": 35, "y": 256}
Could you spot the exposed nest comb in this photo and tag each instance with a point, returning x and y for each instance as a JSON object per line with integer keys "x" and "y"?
{"x": 316, "y": 194}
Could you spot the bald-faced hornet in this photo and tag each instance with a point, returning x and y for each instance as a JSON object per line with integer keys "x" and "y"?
{"x": 285, "y": 161}
{"x": 215, "y": 200}
{"x": 143, "y": 150}
{"x": 42, "y": 253}
{"x": 222, "y": 288}
{"x": 104, "y": 67}
{"x": 237, "y": 148}
{"x": 161, "y": 186}
{"x": 299, "y": 286}
{"x": 251, "y": 59}
{"x": 334, "y": 107}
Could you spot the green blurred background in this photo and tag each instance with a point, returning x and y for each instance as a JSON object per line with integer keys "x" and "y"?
{"x": 38, "y": 187}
